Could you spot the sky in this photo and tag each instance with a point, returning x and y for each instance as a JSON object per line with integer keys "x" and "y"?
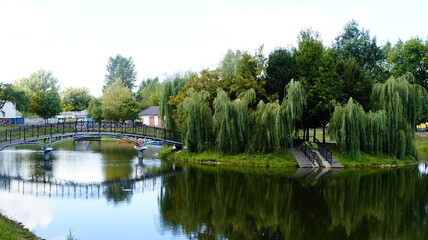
{"x": 75, "y": 38}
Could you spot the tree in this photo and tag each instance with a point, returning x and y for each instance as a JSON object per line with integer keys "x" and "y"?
{"x": 118, "y": 103}
{"x": 45, "y": 104}
{"x": 43, "y": 91}
{"x": 94, "y": 109}
{"x": 410, "y": 56}
{"x": 389, "y": 130}
{"x": 149, "y": 92}
{"x": 229, "y": 64}
{"x": 75, "y": 99}
{"x": 40, "y": 81}
{"x": 8, "y": 92}
{"x": 279, "y": 72}
{"x": 196, "y": 128}
{"x": 123, "y": 68}
{"x": 314, "y": 68}
{"x": 357, "y": 44}
{"x": 354, "y": 82}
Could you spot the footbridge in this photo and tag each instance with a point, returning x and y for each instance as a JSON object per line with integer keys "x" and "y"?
{"x": 48, "y": 135}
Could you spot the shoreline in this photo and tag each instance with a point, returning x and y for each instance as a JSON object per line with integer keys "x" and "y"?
{"x": 11, "y": 229}
{"x": 204, "y": 159}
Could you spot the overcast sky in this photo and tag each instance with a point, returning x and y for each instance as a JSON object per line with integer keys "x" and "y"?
{"x": 75, "y": 38}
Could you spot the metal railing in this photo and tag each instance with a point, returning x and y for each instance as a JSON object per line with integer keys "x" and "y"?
{"x": 28, "y": 133}
{"x": 308, "y": 152}
{"x": 324, "y": 151}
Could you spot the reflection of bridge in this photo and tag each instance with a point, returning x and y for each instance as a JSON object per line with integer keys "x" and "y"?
{"x": 60, "y": 189}
{"x": 48, "y": 135}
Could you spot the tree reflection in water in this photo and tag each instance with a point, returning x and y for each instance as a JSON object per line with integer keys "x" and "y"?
{"x": 217, "y": 203}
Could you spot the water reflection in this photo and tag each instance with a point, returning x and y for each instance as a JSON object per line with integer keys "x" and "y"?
{"x": 216, "y": 203}
{"x": 80, "y": 170}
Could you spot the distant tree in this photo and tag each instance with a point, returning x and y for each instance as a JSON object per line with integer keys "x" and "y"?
{"x": 94, "y": 109}
{"x": 118, "y": 103}
{"x": 357, "y": 44}
{"x": 42, "y": 89}
{"x": 41, "y": 80}
{"x": 149, "y": 92}
{"x": 10, "y": 93}
{"x": 410, "y": 56}
{"x": 123, "y": 68}
{"x": 250, "y": 75}
{"x": 279, "y": 72}
{"x": 75, "y": 99}
{"x": 45, "y": 104}
{"x": 229, "y": 64}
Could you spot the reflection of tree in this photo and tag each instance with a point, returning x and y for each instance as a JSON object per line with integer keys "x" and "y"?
{"x": 216, "y": 204}
{"x": 386, "y": 204}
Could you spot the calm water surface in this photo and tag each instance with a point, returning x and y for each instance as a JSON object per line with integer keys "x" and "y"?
{"x": 103, "y": 191}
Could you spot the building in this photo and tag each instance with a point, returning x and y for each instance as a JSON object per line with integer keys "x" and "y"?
{"x": 73, "y": 114}
{"x": 9, "y": 111}
{"x": 150, "y": 117}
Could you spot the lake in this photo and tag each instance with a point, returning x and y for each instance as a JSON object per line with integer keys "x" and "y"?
{"x": 101, "y": 190}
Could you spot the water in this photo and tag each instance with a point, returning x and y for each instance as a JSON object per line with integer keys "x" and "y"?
{"x": 102, "y": 191}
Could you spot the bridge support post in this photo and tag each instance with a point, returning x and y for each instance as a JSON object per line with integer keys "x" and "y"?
{"x": 47, "y": 152}
{"x": 140, "y": 149}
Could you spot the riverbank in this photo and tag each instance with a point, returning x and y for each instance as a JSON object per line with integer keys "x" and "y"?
{"x": 11, "y": 230}
{"x": 211, "y": 157}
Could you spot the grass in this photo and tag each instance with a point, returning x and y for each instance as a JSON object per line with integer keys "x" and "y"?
{"x": 213, "y": 157}
{"x": 11, "y": 230}
{"x": 368, "y": 160}
{"x": 421, "y": 144}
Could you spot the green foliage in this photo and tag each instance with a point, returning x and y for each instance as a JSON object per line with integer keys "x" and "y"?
{"x": 8, "y": 92}
{"x": 170, "y": 89}
{"x": 232, "y": 121}
{"x": 94, "y": 109}
{"x": 45, "y": 104}
{"x": 314, "y": 66}
{"x": 279, "y": 72}
{"x": 197, "y": 126}
{"x": 229, "y": 64}
{"x": 149, "y": 92}
{"x": 123, "y": 68}
{"x": 410, "y": 56}
{"x": 118, "y": 103}
{"x": 75, "y": 99}
{"x": 40, "y": 81}
{"x": 389, "y": 130}
{"x": 357, "y": 44}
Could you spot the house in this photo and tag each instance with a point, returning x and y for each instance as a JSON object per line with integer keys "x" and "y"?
{"x": 150, "y": 117}
{"x": 9, "y": 111}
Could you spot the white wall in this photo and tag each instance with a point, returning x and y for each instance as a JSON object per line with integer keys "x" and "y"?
{"x": 145, "y": 120}
{"x": 9, "y": 110}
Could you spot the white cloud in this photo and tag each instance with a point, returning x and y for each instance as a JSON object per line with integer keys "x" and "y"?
{"x": 361, "y": 15}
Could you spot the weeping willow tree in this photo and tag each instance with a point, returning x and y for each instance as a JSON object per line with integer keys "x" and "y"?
{"x": 196, "y": 127}
{"x": 390, "y": 130}
{"x": 274, "y": 124}
{"x": 171, "y": 88}
{"x": 232, "y": 121}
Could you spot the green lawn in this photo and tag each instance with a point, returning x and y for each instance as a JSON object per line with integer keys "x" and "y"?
{"x": 212, "y": 157}
{"x": 10, "y": 230}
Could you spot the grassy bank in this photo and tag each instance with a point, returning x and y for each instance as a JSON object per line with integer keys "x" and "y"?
{"x": 421, "y": 143}
{"x": 10, "y": 230}
{"x": 212, "y": 157}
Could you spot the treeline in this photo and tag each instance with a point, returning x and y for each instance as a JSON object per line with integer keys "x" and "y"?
{"x": 349, "y": 69}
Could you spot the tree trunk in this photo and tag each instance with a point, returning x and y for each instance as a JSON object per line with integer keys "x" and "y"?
{"x": 315, "y": 134}
{"x": 323, "y": 135}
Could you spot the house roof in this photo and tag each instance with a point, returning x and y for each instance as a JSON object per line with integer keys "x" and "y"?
{"x": 150, "y": 111}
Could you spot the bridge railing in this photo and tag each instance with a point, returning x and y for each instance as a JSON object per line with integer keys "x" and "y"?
{"x": 27, "y": 133}
{"x": 308, "y": 152}
{"x": 324, "y": 151}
